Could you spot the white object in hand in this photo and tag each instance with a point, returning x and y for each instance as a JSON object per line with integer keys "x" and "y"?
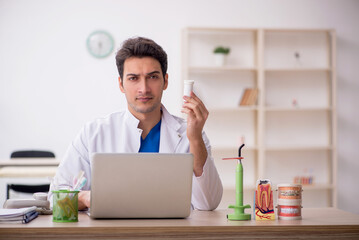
{"x": 188, "y": 87}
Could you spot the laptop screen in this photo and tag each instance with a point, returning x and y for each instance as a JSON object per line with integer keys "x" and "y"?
{"x": 141, "y": 185}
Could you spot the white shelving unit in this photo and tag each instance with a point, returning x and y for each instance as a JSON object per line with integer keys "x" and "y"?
{"x": 291, "y": 131}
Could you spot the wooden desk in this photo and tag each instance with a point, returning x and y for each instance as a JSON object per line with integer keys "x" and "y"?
{"x": 327, "y": 223}
{"x": 29, "y": 162}
{"x": 28, "y": 167}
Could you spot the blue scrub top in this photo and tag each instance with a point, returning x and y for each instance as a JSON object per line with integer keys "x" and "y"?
{"x": 152, "y": 141}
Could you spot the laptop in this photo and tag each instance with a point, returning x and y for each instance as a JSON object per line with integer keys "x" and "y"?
{"x": 141, "y": 185}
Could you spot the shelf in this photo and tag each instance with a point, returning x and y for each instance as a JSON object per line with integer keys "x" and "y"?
{"x": 308, "y": 187}
{"x": 299, "y": 148}
{"x": 221, "y": 69}
{"x": 200, "y": 43}
{"x": 233, "y": 188}
{"x": 296, "y": 49}
{"x": 213, "y": 31}
{"x": 291, "y": 129}
{"x": 298, "y": 69}
{"x": 233, "y": 148}
{"x": 296, "y": 109}
{"x": 318, "y": 187}
{"x": 238, "y": 109}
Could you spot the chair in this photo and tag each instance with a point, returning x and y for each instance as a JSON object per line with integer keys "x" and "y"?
{"x": 23, "y": 188}
{"x": 32, "y": 154}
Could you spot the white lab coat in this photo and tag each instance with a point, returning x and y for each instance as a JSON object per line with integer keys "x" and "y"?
{"x": 119, "y": 132}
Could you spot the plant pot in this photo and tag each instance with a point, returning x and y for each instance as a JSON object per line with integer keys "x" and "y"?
{"x": 220, "y": 59}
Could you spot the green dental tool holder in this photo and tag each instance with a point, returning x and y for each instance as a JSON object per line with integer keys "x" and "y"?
{"x": 239, "y": 214}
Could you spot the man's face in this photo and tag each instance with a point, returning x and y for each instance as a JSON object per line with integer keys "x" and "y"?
{"x": 143, "y": 84}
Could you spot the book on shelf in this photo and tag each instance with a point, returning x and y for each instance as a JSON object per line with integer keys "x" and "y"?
{"x": 19, "y": 215}
{"x": 249, "y": 97}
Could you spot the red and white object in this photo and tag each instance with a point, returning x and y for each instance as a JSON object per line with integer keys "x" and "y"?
{"x": 286, "y": 212}
{"x": 289, "y": 194}
{"x": 289, "y": 201}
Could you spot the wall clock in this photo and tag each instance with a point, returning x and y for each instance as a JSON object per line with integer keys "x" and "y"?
{"x": 100, "y": 44}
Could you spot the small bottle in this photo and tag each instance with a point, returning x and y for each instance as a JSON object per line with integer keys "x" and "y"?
{"x": 188, "y": 87}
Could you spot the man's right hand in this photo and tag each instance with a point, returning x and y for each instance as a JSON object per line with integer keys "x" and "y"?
{"x": 84, "y": 200}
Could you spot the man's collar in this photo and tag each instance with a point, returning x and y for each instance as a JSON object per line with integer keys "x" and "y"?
{"x": 130, "y": 119}
{"x": 169, "y": 119}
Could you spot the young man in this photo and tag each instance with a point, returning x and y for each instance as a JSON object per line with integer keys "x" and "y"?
{"x": 146, "y": 126}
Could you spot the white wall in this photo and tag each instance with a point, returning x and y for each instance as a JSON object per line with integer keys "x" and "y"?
{"x": 50, "y": 85}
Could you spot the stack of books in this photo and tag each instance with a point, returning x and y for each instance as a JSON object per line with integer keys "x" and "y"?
{"x": 249, "y": 97}
{"x": 19, "y": 215}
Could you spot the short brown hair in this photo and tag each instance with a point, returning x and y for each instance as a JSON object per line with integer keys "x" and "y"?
{"x": 140, "y": 47}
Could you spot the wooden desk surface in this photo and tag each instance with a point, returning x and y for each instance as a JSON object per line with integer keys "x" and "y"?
{"x": 28, "y": 171}
{"x": 326, "y": 223}
{"x": 30, "y": 162}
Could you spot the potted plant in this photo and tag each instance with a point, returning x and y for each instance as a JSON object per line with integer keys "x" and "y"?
{"x": 220, "y": 54}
